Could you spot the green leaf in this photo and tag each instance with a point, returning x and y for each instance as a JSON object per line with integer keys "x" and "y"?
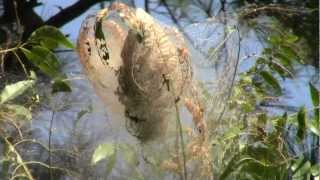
{"x": 273, "y": 82}
{"x": 235, "y": 163}
{"x": 50, "y": 37}
{"x": 302, "y": 123}
{"x": 12, "y": 91}
{"x": 49, "y": 64}
{"x": 262, "y": 120}
{"x": 297, "y": 164}
{"x": 45, "y": 60}
{"x": 315, "y": 96}
{"x": 274, "y": 40}
{"x": 280, "y": 69}
{"x": 290, "y": 53}
{"x": 285, "y": 61}
{"x": 291, "y": 38}
{"x": 102, "y": 151}
{"x": 60, "y": 86}
{"x": 281, "y": 122}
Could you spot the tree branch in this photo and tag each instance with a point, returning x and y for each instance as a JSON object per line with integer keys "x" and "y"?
{"x": 71, "y": 12}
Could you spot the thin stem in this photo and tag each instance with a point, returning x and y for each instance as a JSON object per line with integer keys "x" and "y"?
{"x": 180, "y": 130}
{"x": 19, "y": 160}
{"x": 49, "y": 145}
{"x": 181, "y": 142}
{"x": 43, "y": 146}
{"x": 12, "y": 49}
{"x": 21, "y": 63}
{"x": 19, "y": 26}
{"x": 8, "y": 50}
{"x": 13, "y": 123}
{"x": 233, "y": 77}
{"x": 41, "y": 164}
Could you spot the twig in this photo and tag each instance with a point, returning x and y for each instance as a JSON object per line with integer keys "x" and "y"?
{"x": 274, "y": 8}
{"x": 8, "y": 50}
{"x": 146, "y": 5}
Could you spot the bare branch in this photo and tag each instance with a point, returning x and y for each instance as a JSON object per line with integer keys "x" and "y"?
{"x": 71, "y": 12}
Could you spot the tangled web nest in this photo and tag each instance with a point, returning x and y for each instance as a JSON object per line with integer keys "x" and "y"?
{"x": 142, "y": 71}
{"x": 138, "y": 66}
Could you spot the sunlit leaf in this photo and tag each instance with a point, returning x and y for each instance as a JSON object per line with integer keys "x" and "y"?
{"x": 103, "y": 151}
{"x": 302, "y": 124}
{"x": 50, "y": 37}
{"x": 13, "y": 90}
{"x": 272, "y": 81}
{"x": 291, "y": 38}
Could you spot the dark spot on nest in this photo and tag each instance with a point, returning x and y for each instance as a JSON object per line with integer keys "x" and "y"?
{"x": 133, "y": 118}
{"x": 139, "y": 37}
